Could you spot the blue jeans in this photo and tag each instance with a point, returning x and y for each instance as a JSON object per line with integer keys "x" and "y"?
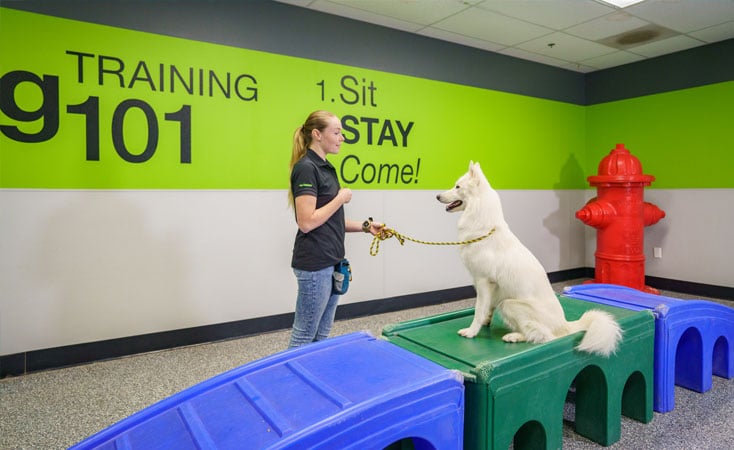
{"x": 315, "y": 306}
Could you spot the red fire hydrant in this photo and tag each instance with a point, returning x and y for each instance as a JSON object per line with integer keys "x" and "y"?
{"x": 619, "y": 214}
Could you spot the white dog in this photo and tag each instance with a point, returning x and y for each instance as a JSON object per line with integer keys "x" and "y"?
{"x": 508, "y": 277}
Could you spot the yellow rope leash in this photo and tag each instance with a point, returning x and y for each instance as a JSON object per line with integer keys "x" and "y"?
{"x": 387, "y": 233}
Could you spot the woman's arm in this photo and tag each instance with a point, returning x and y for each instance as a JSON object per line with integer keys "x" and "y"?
{"x": 309, "y": 218}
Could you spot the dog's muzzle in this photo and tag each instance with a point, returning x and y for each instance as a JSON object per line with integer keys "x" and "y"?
{"x": 451, "y": 206}
{"x": 454, "y": 205}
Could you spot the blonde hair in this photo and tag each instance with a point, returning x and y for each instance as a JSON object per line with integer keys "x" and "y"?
{"x": 317, "y": 120}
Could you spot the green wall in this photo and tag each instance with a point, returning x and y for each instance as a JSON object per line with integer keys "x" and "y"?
{"x": 99, "y": 107}
{"x": 684, "y": 138}
{"x": 90, "y": 106}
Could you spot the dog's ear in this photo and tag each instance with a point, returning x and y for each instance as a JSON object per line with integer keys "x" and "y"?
{"x": 474, "y": 169}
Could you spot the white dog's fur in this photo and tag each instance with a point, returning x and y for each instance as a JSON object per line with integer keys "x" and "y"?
{"x": 508, "y": 277}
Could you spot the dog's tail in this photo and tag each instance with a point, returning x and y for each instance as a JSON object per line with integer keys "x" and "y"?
{"x": 602, "y": 332}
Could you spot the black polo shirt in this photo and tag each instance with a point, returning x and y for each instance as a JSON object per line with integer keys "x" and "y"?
{"x": 323, "y": 246}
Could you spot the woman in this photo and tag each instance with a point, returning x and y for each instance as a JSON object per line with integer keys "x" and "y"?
{"x": 318, "y": 201}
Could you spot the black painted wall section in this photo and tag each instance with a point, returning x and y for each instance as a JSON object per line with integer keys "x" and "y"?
{"x": 274, "y": 27}
{"x": 294, "y": 31}
{"x": 708, "y": 64}
{"x": 289, "y": 30}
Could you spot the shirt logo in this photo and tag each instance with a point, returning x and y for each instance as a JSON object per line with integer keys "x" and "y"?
{"x": 305, "y": 185}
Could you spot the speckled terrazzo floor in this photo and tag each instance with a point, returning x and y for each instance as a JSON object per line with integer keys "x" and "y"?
{"x": 57, "y": 408}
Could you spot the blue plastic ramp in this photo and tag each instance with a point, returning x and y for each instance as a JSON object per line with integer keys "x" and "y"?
{"x": 349, "y": 392}
{"x": 694, "y": 339}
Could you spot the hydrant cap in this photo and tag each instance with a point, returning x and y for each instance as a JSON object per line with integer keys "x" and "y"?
{"x": 619, "y": 166}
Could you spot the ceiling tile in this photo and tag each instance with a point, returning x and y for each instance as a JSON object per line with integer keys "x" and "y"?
{"x": 490, "y": 26}
{"x": 566, "y": 47}
{"x": 588, "y": 34}
{"x": 576, "y": 67}
{"x": 685, "y": 15}
{"x": 543, "y": 59}
{"x": 641, "y": 36}
{"x": 304, "y": 3}
{"x": 423, "y": 12}
{"x": 715, "y": 33}
{"x": 617, "y": 58}
{"x": 670, "y": 45}
{"x": 364, "y": 16}
{"x": 608, "y": 25}
{"x": 460, "y": 39}
{"x": 557, "y": 14}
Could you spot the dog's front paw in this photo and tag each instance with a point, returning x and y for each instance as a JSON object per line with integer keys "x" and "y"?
{"x": 468, "y": 332}
{"x": 514, "y": 337}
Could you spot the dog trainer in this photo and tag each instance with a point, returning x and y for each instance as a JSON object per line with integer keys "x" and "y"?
{"x": 318, "y": 201}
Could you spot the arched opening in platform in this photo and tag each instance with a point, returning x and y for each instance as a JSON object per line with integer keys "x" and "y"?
{"x": 721, "y": 364}
{"x": 689, "y": 360}
{"x": 530, "y": 436}
{"x": 414, "y": 443}
{"x": 592, "y": 397}
{"x": 634, "y": 399}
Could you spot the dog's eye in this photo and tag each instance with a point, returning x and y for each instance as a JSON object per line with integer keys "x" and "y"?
{"x": 457, "y": 186}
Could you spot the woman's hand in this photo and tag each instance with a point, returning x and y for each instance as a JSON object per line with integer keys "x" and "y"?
{"x": 375, "y": 228}
{"x": 345, "y": 195}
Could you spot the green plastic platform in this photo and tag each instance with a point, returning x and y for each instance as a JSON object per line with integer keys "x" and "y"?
{"x": 516, "y": 393}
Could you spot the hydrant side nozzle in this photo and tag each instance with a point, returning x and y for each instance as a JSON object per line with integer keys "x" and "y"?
{"x": 584, "y": 215}
{"x": 597, "y": 213}
{"x": 651, "y": 214}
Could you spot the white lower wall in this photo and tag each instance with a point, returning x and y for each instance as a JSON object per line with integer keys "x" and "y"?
{"x": 85, "y": 266}
{"x": 695, "y": 236}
